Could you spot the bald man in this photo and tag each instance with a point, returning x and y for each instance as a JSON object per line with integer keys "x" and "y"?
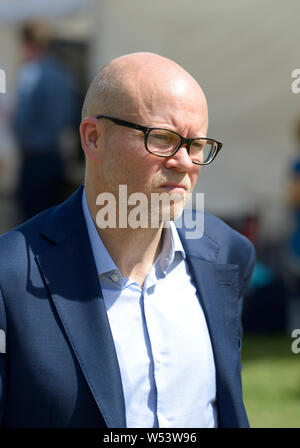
{"x": 108, "y": 317}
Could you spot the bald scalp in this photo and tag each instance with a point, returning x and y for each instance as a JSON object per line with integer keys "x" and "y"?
{"x": 102, "y": 92}
{"x": 112, "y": 88}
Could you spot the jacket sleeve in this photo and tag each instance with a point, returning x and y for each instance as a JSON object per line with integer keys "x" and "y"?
{"x": 3, "y": 357}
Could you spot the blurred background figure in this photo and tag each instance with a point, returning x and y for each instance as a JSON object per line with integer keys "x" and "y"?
{"x": 294, "y": 204}
{"x": 8, "y": 167}
{"x": 46, "y": 107}
{"x": 292, "y": 253}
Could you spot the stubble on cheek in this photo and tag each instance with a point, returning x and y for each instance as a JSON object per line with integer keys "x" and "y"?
{"x": 119, "y": 170}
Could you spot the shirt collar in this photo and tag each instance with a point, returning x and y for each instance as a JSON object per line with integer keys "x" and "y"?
{"x": 171, "y": 245}
{"x": 104, "y": 262}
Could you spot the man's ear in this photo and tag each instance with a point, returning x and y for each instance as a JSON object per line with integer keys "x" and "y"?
{"x": 89, "y": 135}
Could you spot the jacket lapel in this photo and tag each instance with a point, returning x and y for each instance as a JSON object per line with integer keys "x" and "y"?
{"x": 218, "y": 292}
{"x": 70, "y": 273}
{"x": 217, "y": 286}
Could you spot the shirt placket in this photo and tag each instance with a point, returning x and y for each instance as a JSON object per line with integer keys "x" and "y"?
{"x": 159, "y": 350}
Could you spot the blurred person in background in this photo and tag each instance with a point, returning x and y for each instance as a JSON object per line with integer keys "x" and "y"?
{"x": 294, "y": 202}
{"x": 44, "y": 109}
{"x": 292, "y": 254}
{"x": 8, "y": 166}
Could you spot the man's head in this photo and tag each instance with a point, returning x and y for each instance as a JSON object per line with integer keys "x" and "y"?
{"x": 35, "y": 37}
{"x": 149, "y": 90}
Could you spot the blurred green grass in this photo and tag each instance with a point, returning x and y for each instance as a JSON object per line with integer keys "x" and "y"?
{"x": 271, "y": 381}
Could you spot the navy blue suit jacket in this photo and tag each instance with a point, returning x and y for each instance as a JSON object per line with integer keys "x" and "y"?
{"x": 60, "y": 368}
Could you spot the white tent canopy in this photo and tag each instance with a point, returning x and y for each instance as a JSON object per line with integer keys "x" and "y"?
{"x": 243, "y": 54}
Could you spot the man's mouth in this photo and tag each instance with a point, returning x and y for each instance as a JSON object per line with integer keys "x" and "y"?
{"x": 174, "y": 188}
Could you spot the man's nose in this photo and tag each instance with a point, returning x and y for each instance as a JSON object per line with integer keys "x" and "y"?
{"x": 180, "y": 161}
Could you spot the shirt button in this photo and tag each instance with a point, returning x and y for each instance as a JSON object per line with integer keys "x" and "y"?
{"x": 115, "y": 277}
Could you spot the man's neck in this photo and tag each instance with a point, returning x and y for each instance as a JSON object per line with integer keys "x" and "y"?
{"x": 134, "y": 251}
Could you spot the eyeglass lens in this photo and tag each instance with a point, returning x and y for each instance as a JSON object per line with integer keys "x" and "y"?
{"x": 163, "y": 142}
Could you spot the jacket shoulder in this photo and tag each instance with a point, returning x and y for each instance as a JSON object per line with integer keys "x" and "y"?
{"x": 232, "y": 244}
{"x": 54, "y": 224}
{"x": 17, "y": 245}
{"x": 212, "y": 230}
{"x": 219, "y": 243}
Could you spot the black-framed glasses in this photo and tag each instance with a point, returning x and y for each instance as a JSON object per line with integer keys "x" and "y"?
{"x": 165, "y": 143}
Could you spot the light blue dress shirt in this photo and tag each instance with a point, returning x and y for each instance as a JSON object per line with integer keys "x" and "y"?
{"x": 161, "y": 338}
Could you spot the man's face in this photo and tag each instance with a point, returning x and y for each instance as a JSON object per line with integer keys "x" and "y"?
{"x": 176, "y": 106}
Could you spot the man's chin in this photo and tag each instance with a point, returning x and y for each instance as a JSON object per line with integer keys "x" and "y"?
{"x": 171, "y": 213}
{"x": 176, "y": 212}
